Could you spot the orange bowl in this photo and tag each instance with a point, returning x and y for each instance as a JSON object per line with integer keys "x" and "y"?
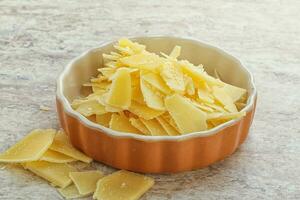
{"x": 155, "y": 154}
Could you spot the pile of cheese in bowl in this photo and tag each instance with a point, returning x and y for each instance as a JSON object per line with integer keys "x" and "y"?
{"x": 141, "y": 92}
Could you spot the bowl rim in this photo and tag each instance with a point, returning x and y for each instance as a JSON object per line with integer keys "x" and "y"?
{"x": 118, "y": 134}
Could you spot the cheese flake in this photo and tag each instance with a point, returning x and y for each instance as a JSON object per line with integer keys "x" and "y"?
{"x": 56, "y": 157}
{"x": 152, "y": 98}
{"x": 62, "y": 145}
{"x": 70, "y": 192}
{"x": 154, "y": 127}
{"x": 30, "y": 148}
{"x": 122, "y": 123}
{"x": 55, "y": 173}
{"x": 103, "y": 119}
{"x": 122, "y": 185}
{"x": 120, "y": 91}
{"x": 137, "y": 123}
{"x": 86, "y": 181}
{"x": 168, "y": 128}
{"x": 181, "y": 111}
{"x": 144, "y": 111}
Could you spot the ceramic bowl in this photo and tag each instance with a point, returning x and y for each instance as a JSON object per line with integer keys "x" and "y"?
{"x": 155, "y": 154}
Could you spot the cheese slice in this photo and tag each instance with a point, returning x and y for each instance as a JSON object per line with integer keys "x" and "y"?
{"x": 189, "y": 85}
{"x": 103, "y": 100}
{"x": 175, "y": 53}
{"x": 168, "y": 128}
{"x": 156, "y": 81}
{"x": 139, "y": 125}
{"x": 225, "y": 116}
{"x": 239, "y": 105}
{"x": 202, "y": 106}
{"x": 56, "y": 157}
{"x": 70, "y": 192}
{"x": 154, "y": 127}
{"x": 144, "y": 111}
{"x": 30, "y": 148}
{"x": 199, "y": 75}
{"x": 62, "y": 145}
{"x": 215, "y": 106}
{"x": 152, "y": 98}
{"x": 173, "y": 77}
{"x": 107, "y": 72}
{"x": 187, "y": 117}
{"x": 167, "y": 117}
{"x": 86, "y": 181}
{"x": 216, "y": 74}
{"x": 224, "y": 99}
{"x": 122, "y": 123}
{"x": 103, "y": 119}
{"x": 119, "y": 94}
{"x": 134, "y": 46}
{"x": 145, "y": 60}
{"x": 91, "y": 107}
{"x": 234, "y": 92}
{"x": 55, "y": 173}
{"x": 122, "y": 185}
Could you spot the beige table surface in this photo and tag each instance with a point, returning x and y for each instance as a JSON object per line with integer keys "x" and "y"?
{"x": 38, "y": 38}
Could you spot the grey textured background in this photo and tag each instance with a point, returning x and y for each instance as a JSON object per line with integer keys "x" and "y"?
{"x": 38, "y": 38}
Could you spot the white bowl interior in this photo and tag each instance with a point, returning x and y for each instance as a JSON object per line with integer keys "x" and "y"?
{"x": 229, "y": 68}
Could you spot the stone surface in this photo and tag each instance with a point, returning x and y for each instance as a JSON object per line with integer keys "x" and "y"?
{"x": 38, "y": 38}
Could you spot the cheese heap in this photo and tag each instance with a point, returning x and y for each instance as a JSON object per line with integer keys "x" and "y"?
{"x": 144, "y": 93}
{"x": 49, "y": 154}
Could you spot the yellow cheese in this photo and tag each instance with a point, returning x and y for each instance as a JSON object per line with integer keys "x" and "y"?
{"x": 70, "y": 192}
{"x": 147, "y": 61}
{"x": 91, "y": 107}
{"x": 120, "y": 91}
{"x": 156, "y": 81}
{"x": 216, "y": 74}
{"x": 173, "y": 77}
{"x": 113, "y": 57}
{"x": 111, "y": 64}
{"x": 239, "y": 105}
{"x": 216, "y": 107}
{"x": 136, "y": 93}
{"x": 234, "y": 92}
{"x": 152, "y": 98}
{"x": 189, "y": 85}
{"x": 134, "y": 46}
{"x": 86, "y": 181}
{"x": 103, "y": 119}
{"x": 150, "y": 78}
{"x": 225, "y": 116}
{"x": 99, "y": 79}
{"x": 204, "y": 96}
{"x": 122, "y": 185}
{"x": 56, "y": 157}
{"x": 224, "y": 99}
{"x": 107, "y": 72}
{"x": 187, "y": 117}
{"x": 56, "y": 173}
{"x": 202, "y": 106}
{"x": 198, "y": 74}
{"x": 154, "y": 127}
{"x": 108, "y": 108}
{"x": 122, "y": 123}
{"x": 175, "y": 53}
{"x": 139, "y": 125}
{"x": 167, "y": 117}
{"x": 144, "y": 111}
{"x": 168, "y": 128}
{"x": 30, "y": 148}
{"x": 62, "y": 145}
